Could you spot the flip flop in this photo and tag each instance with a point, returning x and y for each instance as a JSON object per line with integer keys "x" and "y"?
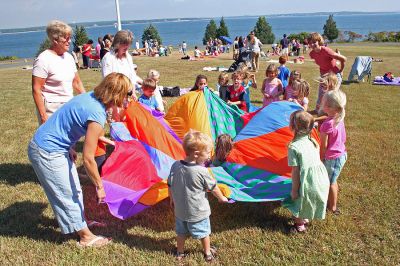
{"x": 93, "y": 223}
{"x": 95, "y": 242}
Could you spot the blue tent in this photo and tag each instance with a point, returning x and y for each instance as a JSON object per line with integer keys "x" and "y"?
{"x": 226, "y": 39}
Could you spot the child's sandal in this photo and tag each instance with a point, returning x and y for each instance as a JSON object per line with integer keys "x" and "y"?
{"x": 212, "y": 256}
{"x": 180, "y": 255}
{"x": 298, "y": 229}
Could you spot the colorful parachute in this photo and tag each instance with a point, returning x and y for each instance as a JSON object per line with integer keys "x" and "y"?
{"x": 147, "y": 145}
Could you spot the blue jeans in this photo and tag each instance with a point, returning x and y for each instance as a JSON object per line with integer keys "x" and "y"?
{"x": 58, "y": 176}
{"x": 198, "y": 230}
{"x": 335, "y": 166}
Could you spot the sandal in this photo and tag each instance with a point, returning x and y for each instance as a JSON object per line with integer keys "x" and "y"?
{"x": 180, "y": 255}
{"x": 297, "y": 229}
{"x": 337, "y": 212}
{"x": 212, "y": 256}
{"x": 97, "y": 241}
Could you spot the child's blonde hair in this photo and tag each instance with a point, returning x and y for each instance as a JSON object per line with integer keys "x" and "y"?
{"x": 244, "y": 73}
{"x": 237, "y": 74}
{"x": 223, "y": 145}
{"x": 303, "y": 87}
{"x": 196, "y": 141}
{"x": 294, "y": 75}
{"x": 153, "y": 74}
{"x": 271, "y": 69}
{"x": 330, "y": 80}
{"x": 302, "y": 123}
{"x": 335, "y": 99}
{"x": 315, "y": 37}
{"x": 225, "y": 79}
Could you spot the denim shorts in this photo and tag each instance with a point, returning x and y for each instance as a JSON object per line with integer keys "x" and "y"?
{"x": 335, "y": 166}
{"x": 197, "y": 230}
{"x": 58, "y": 176}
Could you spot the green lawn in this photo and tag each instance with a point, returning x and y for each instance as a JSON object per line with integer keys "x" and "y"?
{"x": 367, "y": 232}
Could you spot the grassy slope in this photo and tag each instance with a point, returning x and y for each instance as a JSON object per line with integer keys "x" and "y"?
{"x": 367, "y": 233}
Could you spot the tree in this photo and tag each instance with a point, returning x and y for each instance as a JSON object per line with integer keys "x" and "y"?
{"x": 352, "y": 35}
{"x": 223, "y": 29}
{"x": 151, "y": 33}
{"x": 299, "y": 36}
{"x": 43, "y": 46}
{"x": 80, "y": 36}
{"x": 330, "y": 30}
{"x": 211, "y": 32}
{"x": 263, "y": 31}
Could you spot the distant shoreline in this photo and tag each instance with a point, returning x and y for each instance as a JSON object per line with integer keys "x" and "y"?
{"x": 140, "y": 21}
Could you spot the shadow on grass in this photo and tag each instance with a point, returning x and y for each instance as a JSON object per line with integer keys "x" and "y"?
{"x": 154, "y": 228}
{"x": 15, "y": 174}
{"x": 25, "y": 219}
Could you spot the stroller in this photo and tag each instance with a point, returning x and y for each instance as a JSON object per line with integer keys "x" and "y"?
{"x": 244, "y": 58}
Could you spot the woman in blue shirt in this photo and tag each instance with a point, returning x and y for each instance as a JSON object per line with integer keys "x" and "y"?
{"x": 52, "y": 155}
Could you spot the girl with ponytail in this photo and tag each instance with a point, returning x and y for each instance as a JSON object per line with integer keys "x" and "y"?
{"x": 333, "y": 139}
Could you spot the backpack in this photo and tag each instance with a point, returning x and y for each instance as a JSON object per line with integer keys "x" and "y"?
{"x": 171, "y": 91}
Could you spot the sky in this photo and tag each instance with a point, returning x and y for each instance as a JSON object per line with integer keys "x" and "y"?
{"x": 30, "y": 13}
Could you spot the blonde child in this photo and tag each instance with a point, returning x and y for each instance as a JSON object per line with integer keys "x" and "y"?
{"x": 328, "y": 82}
{"x": 222, "y": 86}
{"x": 310, "y": 183}
{"x": 223, "y": 145}
{"x": 155, "y": 75}
{"x": 148, "y": 98}
{"x": 333, "y": 139}
{"x": 249, "y": 80}
{"x": 200, "y": 83}
{"x": 294, "y": 75}
{"x": 272, "y": 87}
{"x": 188, "y": 183}
{"x": 301, "y": 90}
{"x": 235, "y": 94}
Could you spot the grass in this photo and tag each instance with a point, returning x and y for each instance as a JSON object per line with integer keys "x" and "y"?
{"x": 368, "y": 232}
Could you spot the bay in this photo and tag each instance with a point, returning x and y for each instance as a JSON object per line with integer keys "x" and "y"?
{"x": 25, "y": 44}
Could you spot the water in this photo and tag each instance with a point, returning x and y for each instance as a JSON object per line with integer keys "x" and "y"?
{"x": 25, "y": 44}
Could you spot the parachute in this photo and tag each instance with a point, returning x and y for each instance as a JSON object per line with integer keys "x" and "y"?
{"x": 256, "y": 169}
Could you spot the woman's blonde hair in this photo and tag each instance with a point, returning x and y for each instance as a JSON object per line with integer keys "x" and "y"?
{"x": 271, "y": 69}
{"x": 294, "y": 75}
{"x": 56, "y": 29}
{"x": 196, "y": 141}
{"x": 336, "y": 100}
{"x": 302, "y": 123}
{"x": 330, "y": 80}
{"x": 113, "y": 89}
{"x": 315, "y": 37}
{"x": 223, "y": 145}
{"x": 122, "y": 37}
{"x": 303, "y": 87}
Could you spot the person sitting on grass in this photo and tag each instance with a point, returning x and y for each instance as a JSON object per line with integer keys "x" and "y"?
{"x": 197, "y": 52}
{"x": 310, "y": 183}
{"x": 188, "y": 183}
{"x": 148, "y": 98}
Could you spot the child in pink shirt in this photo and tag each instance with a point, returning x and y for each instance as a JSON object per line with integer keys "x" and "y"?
{"x": 333, "y": 139}
{"x": 294, "y": 75}
{"x": 272, "y": 87}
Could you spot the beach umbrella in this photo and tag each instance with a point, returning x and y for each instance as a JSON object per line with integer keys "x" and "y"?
{"x": 226, "y": 39}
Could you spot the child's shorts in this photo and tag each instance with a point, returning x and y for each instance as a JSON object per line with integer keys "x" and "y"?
{"x": 197, "y": 230}
{"x": 335, "y": 166}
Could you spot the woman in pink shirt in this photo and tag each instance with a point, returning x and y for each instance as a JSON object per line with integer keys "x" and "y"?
{"x": 326, "y": 59}
{"x": 54, "y": 74}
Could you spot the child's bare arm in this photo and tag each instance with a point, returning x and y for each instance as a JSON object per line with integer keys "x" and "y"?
{"x": 295, "y": 182}
{"x": 106, "y": 140}
{"x": 324, "y": 144}
{"x": 218, "y": 194}
{"x": 320, "y": 118}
